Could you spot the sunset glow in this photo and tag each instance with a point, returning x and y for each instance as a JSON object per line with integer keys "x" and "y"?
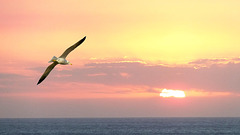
{"x": 140, "y": 58}
{"x": 172, "y": 93}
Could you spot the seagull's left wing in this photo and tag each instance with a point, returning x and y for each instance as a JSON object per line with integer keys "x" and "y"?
{"x": 64, "y": 55}
{"x": 47, "y": 71}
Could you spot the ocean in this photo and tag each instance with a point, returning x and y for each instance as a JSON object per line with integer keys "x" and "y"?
{"x": 120, "y": 126}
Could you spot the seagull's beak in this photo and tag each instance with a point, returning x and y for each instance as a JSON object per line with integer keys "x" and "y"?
{"x": 70, "y": 63}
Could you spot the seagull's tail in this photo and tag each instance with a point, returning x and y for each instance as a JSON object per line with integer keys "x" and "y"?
{"x": 54, "y": 58}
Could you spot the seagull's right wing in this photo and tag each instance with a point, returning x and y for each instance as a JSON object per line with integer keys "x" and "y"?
{"x": 47, "y": 71}
{"x": 64, "y": 55}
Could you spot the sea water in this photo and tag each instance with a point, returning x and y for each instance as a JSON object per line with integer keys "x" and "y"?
{"x": 121, "y": 126}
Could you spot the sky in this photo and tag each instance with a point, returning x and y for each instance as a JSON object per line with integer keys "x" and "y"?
{"x": 134, "y": 49}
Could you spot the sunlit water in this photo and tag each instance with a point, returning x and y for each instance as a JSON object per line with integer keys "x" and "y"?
{"x": 121, "y": 126}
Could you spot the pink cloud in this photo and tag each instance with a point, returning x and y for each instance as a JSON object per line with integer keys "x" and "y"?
{"x": 217, "y": 77}
{"x": 119, "y": 79}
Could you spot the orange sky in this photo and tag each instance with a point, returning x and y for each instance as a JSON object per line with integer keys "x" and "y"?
{"x": 133, "y": 50}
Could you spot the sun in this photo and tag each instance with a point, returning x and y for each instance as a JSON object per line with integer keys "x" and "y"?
{"x": 172, "y": 93}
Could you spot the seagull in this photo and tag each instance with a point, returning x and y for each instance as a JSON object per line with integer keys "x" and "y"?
{"x": 60, "y": 60}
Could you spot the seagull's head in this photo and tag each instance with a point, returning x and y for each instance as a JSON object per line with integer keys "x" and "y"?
{"x": 69, "y": 63}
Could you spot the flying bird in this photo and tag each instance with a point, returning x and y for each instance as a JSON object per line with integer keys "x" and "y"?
{"x": 60, "y": 60}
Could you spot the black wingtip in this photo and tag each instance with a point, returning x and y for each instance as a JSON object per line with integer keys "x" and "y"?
{"x": 80, "y": 41}
{"x": 40, "y": 80}
{"x": 38, "y": 83}
{"x": 84, "y": 38}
